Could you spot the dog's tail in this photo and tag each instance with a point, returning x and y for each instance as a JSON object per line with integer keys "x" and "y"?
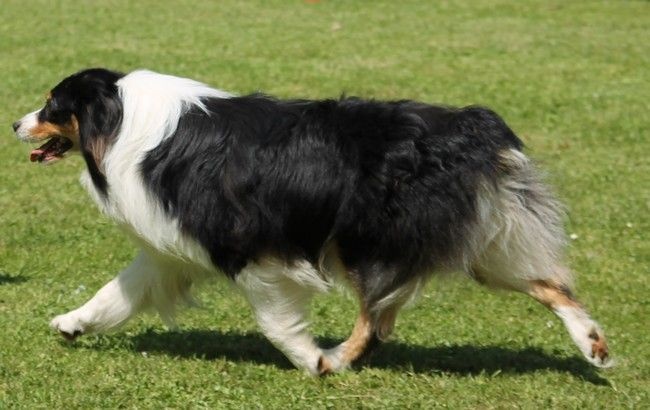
{"x": 519, "y": 243}
{"x": 519, "y": 224}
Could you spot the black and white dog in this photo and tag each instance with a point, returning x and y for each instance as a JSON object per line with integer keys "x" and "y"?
{"x": 285, "y": 197}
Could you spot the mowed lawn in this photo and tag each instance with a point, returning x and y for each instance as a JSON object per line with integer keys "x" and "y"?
{"x": 571, "y": 78}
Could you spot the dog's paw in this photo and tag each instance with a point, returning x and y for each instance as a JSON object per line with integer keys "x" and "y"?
{"x": 593, "y": 346}
{"x": 331, "y": 362}
{"x": 598, "y": 354}
{"x": 68, "y": 325}
{"x": 586, "y": 334}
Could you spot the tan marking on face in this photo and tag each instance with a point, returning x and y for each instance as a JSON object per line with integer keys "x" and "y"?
{"x": 551, "y": 295}
{"x": 45, "y": 130}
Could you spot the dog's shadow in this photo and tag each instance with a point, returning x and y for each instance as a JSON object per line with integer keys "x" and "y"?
{"x": 454, "y": 359}
{"x": 6, "y": 279}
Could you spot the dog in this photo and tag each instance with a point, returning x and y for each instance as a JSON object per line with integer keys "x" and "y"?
{"x": 288, "y": 197}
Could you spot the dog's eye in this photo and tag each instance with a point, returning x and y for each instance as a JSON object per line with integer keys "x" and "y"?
{"x": 44, "y": 113}
{"x": 53, "y": 112}
{"x": 59, "y": 116}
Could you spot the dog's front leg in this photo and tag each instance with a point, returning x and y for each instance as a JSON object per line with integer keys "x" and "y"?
{"x": 280, "y": 306}
{"x": 114, "y": 304}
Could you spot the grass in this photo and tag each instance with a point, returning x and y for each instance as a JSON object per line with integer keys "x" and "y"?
{"x": 570, "y": 77}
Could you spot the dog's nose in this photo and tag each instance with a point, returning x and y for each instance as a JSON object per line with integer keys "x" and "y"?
{"x": 16, "y": 125}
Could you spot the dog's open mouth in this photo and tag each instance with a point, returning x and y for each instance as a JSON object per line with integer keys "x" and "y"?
{"x": 52, "y": 150}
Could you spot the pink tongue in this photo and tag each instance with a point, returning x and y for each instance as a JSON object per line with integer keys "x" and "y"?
{"x": 36, "y": 155}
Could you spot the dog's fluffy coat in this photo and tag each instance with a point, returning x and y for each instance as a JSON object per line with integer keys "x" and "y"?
{"x": 286, "y": 197}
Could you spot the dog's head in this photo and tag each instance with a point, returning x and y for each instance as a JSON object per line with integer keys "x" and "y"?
{"x": 81, "y": 114}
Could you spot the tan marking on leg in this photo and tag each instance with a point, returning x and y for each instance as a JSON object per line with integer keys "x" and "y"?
{"x": 560, "y": 299}
{"x": 552, "y": 295}
{"x": 361, "y": 335}
{"x": 358, "y": 340}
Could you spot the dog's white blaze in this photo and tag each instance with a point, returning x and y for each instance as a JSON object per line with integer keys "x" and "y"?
{"x": 27, "y": 123}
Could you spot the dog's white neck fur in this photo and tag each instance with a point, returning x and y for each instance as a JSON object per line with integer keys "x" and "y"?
{"x": 152, "y": 106}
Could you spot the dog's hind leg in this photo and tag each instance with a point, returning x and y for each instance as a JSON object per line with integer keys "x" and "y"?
{"x": 374, "y": 324}
{"x": 341, "y": 356}
{"x": 279, "y": 294}
{"x": 584, "y": 331}
{"x": 142, "y": 284}
{"x": 558, "y": 297}
{"x": 520, "y": 226}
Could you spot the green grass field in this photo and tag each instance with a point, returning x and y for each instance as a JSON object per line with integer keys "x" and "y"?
{"x": 571, "y": 78}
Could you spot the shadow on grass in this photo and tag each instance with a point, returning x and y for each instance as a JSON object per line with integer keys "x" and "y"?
{"x": 454, "y": 359}
{"x": 7, "y": 279}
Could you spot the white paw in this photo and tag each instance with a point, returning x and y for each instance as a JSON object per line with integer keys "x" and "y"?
{"x": 68, "y": 325}
{"x": 586, "y": 334}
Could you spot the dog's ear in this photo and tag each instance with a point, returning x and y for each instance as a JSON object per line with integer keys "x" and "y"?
{"x": 99, "y": 117}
